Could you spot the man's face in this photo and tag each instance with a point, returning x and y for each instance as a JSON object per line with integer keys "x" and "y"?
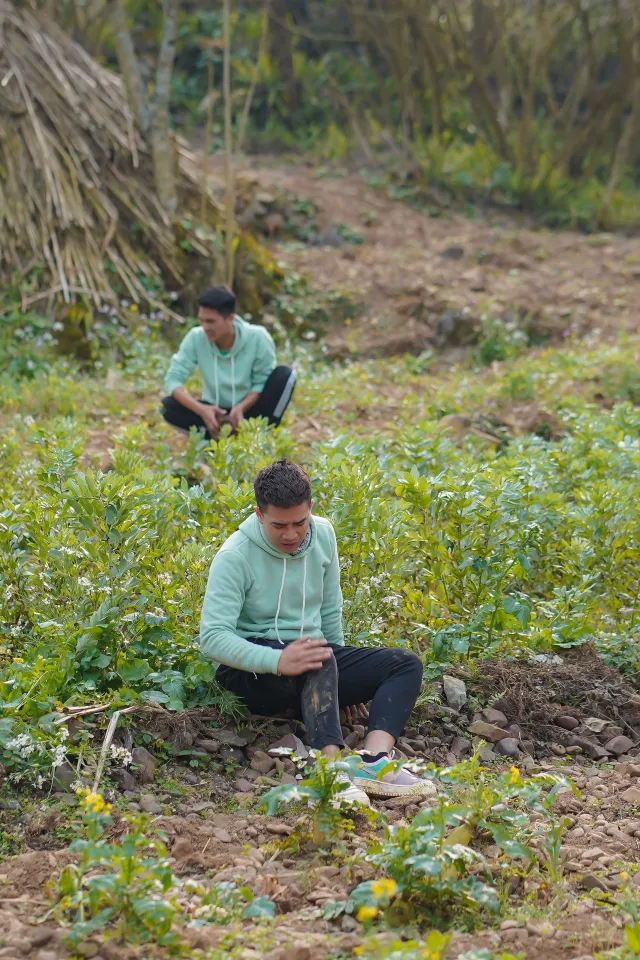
{"x": 214, "y": 324}
{"x": 285, "y": 527}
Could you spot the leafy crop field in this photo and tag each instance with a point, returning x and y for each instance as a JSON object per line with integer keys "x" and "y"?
{"x": 487, "y": 518}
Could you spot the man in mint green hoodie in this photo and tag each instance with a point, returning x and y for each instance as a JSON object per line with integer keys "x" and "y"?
{"x": 272, "y": 619}
{"x": 237, "y": 361}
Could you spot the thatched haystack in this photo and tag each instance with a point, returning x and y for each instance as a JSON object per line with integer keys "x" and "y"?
{"x": 78, "y": 213}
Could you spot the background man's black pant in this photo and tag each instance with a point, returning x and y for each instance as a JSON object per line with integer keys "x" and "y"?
{"x": 389, "y": 677}
{"x": 272, "y": 403}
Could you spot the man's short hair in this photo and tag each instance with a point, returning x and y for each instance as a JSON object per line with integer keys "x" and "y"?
{"x": 282, "y": 484}
{"x": 219, "y": 298}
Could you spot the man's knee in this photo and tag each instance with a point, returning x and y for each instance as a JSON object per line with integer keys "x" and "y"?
{"x": 169, "y": 408}
{"x": 409, "y": 662}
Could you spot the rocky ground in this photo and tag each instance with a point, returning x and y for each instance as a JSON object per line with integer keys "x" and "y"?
{"x": 209, "y": 816}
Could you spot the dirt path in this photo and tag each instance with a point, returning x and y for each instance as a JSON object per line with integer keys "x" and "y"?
{"x": 412, "y": 267}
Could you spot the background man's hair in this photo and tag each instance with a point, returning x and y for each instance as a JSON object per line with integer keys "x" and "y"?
{"x": 282, "y": 484}
{"x": 219, "y": 298}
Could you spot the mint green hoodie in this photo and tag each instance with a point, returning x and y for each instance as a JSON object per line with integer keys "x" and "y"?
{"x": 255, "y": 590}
{"x": 227, "y": 377}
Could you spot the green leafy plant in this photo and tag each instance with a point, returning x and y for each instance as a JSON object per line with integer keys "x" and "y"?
{"x": 121, "y": 885}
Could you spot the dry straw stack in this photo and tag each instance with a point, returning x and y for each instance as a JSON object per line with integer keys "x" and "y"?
{"x": 76, "y": 194}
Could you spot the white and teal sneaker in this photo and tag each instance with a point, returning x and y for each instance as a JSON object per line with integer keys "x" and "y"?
{"x": 398, "y": 782}
{"x": 351, "y": 795}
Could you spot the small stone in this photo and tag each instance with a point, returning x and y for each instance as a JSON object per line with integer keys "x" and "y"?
{"x": 487, "y": 754}
{"x": 124, "y": 779}
{"x": 567, "y": 723}
{"x": 245, "y": 786}
{"x": 591, "y": 882}
{"x": 592, "y": 853}
{"x": 619, "y": 745}
{"x": 292, "y": 743}
{"x": 64, "y": 776}
{"x": 529, "y": 747}
{"x": 515, "y": 935}
{"x": 279, "y": 829}
{"x": 488, "y": 731}
{"x": 509, "y": 925}
{"x": 557, "y": 749}
{"x": 496, "y": 717}
{"x": 595, "y": 724}
{"x": 288, "y": 778}
{"x": 540, "y": 928}
{"x": 87, "y": 948}
{"x": 222, "y": 835}
{"x": 229, "y": 737}
{"x": 146, "y": 762}
{"x": 592, "y": 750}
{"x": 209, "y": 746}
{"x": 201, "y": 806}
{"x": 149, "y": 804}
{"x": 453, "y": 253}
{"x": 455, "y": 692}
{"x": 632, "y": 795}
{"x": 460, "y": 747}
{"x": 262, "y": 762}
{"x": 508, "y": 748}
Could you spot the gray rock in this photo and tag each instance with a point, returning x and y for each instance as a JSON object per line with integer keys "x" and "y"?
{"x": 209, "y": 746}
{"x": 245, "y": 786}
{"x": 262, "y": 762}
{"x": 487, "y": 754}
{"x": 593, "y": 750}
{"x": 64, "y": 776}
{"x": 292, "y": 743}
{"x": 229, "y": 737}
{"x": 149, "y": 804}
{"x": 488, "y": 731}
{"x": 232, "y": 755}
{"x": 632, "y": 795}
{"x": 591, "y": 882}
{"x": 146, "y": 762}
{"x": 619, "y": 745}
{"x": 455, "y": 692}
{"x": 508, "y": 748}
{"x": 529, "y": 747}
{"x": 123, "y": 779}
{"x": 453, "y": 253}
{"x": 567, "y": 723}
{"x": 460, "y": 747}
{"x": 496, "y": 717}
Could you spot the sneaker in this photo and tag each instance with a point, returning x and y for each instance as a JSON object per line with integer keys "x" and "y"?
{"x": 351, "y": 794}
{"x": 399, "y": 783}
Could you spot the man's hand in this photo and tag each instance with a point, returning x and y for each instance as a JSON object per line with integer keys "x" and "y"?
{"x": 236, "y": 416}
{"x": 357, "y": 710}
{"x": 211, "y": 416}
{"x": 303, "y": 655}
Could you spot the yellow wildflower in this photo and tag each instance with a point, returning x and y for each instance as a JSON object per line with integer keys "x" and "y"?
{"x": 515, "y": 775}
{"x": 384, "y": 888}
{"x": 624, "y": 875}
{"x": 59, "y": 705}
{"x": 93, "y": 802}
{"x": 430, "y": 954}
{"x": 18, "y": 660}
{"x": 359, "y": 950}
{"x": 133, "y": 308}
{"x": 367, "y": 913}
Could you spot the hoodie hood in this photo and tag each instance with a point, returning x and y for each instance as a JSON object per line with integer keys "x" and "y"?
{"x": 254, "y": 531}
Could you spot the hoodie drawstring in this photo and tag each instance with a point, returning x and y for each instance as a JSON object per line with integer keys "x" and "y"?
{"x": 304, "y": 597}
{"x": 233, "y": 380}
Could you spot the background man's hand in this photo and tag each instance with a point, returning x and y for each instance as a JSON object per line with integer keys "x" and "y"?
{"x": 303, "y": 655}
{"x": 357, "y": 710}
{"x": 211, "y": 416}
{"x": 236, "y": 416}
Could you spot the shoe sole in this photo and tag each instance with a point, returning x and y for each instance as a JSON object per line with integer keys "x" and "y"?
{"x": 352, "y": 801}
{"x": 380, "y": 788}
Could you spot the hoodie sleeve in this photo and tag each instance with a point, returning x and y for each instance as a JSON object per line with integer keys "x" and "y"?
{"x": 331, "y": 609}
{"x": 264, "y": 362}
{"x": 182, "y": 364}
{"x": 229, "y": 580}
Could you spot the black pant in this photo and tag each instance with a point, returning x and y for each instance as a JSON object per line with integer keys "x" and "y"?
{"x": 272, "y": 403}
{"x": 387, "y": 676}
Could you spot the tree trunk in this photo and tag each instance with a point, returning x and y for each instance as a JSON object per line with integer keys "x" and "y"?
{"x": 130, "y": 69}
{"x": 228, "y": 147}
{"x": 281, "y": 51}
{"x": 162, "y": 147}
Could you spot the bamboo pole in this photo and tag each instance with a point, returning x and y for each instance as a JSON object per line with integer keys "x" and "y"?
{"x": 228, "y": 145}
{"x": 207, "y": 143}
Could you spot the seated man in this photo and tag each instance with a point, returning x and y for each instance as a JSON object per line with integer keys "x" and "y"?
{"x": 272, "y": 617}
{"x": 237, "y": 361}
